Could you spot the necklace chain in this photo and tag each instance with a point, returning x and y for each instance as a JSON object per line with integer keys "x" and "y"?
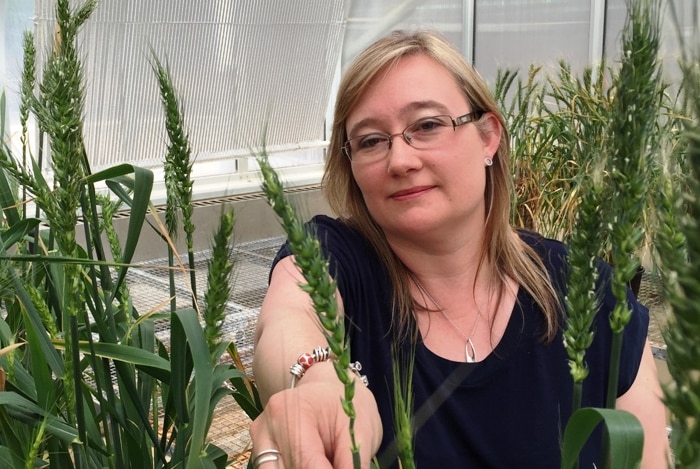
{"x": 469, "y": 349}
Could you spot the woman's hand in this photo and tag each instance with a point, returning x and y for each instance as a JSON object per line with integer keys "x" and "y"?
{"x": 309, "y": 428}
{"x": 306, "y": 424}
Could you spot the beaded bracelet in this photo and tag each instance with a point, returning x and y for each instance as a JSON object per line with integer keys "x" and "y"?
{"x": 319, "y": 354}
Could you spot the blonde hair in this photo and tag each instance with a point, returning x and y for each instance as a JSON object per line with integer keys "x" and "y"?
{"x": 509, "y": 256}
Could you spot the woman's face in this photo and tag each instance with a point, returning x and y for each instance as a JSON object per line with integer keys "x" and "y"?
{"x": 416, "y": 193}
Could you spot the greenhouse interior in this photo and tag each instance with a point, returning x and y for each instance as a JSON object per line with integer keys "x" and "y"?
{"x": 247, "y": 78}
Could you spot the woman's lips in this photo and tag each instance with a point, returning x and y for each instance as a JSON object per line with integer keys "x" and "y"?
{"x": 410, "y": 193}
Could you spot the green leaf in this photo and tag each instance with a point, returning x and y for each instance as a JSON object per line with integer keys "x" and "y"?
{"x": 6, "y": 457}
{"x": 54, "y": 425}
{"x": 144, "y": 359}
{"x": 188, "y": 321}
{"x": 177, "y": 404}
{"x": 7, "y": 200}
{"x": 35, "y": 325}
{"x": 625, "y": 434}
{"x": 246, "y": 397}
{"x": 60, "y": 259}
{"x": 18, "y": 231}
{"x": 143, "y": 184}
{"x": 217, "y": 455}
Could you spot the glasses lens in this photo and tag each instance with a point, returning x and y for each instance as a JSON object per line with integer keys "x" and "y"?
{"x": 425, "y": 133}
{"x": 368, "y": 146}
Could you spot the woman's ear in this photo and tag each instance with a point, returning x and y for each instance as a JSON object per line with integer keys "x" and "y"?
{"x": 491, "y": 131}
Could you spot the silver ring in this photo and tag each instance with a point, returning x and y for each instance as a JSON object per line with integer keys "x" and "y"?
{"x": 266, "y": 455}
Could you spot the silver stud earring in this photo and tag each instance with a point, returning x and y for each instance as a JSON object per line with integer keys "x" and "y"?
{"x": 488, "y": 161}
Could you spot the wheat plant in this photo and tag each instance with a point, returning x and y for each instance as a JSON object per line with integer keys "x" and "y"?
{"x": 679, "y": 246}
{"x": 85, "y": 381}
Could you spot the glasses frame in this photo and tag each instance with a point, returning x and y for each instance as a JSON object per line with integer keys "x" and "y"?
{"x": 456, "y": 122}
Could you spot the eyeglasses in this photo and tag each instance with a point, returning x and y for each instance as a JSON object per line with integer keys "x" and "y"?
{"x": 424, "y": 134}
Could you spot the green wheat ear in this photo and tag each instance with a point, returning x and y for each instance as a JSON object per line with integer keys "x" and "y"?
{"x": 635, "y": 113}
{"x": 177, "y": 166}
{"x": 403, "y": 404}
{"x": 679, "y": 246}
{"x": 314, "y": 267}
{"x": 178, "y": 173}
{"x": 19, "y": 171}
{"x": 582, "y": 298}
{"x": 28, "y": 83}
{"x": 219, "y": 276}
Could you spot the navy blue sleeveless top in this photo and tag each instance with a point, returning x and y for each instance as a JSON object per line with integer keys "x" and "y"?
{"x": 507, "y": 411}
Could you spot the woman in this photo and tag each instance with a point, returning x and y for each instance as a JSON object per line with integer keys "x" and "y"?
{"x": 424, "y": 256}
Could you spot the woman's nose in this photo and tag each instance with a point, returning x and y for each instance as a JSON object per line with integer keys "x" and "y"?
{"x": 402, "y": 157}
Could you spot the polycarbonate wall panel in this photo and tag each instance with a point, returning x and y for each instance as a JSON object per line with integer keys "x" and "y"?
{"x": 246, "y": 71}
{"x": 614, "y": 22}
{"x": 516, "y": 34}
{"x": 242, "y": 65}
{"x": 680, "y": 17}
{"x": 15, "y": 18}
{"x": 370, "y": 19}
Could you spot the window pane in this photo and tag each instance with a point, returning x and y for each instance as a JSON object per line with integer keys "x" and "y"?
{"x": 247, "y": 72}
{"x": 15, "y": 18}
{"x": 516, "y": 34}
{"x": 370, "y": 19}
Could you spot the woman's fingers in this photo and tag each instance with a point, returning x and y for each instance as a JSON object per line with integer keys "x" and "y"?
{"x": 289, "y": 425}
{"x": 311, "y": 431}
{"x": 270, "y": 458}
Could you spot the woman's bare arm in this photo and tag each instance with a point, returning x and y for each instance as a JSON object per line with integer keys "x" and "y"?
{"x": 643, "y": 399}
{"x": 287, "y": 327}
{"x": 307, "y": 423}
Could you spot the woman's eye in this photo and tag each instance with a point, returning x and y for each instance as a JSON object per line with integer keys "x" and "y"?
{"x": 427, "y": 125}
{"x": 371, "y": 141}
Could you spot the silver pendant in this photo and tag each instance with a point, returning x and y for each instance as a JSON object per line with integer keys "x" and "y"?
{"x": 470, "y": 351}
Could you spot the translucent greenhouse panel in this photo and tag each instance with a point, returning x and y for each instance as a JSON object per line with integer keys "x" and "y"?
{"x": 247, "y": 72}
{"x": 15, "y": 18}
{"x": 679, "y": 18}
{"x": 531, "y": 32}
{"x": 370, "y": 19}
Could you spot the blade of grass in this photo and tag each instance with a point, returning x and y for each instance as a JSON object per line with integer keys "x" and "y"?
{"x": 7, "y": 200}
{"x": 143, "y": 185}
{"x": 55, "y": 426}
{"x": 187, "y": 322}
{"x": 626, "y": 436}
{"x": 17, "y": 231}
